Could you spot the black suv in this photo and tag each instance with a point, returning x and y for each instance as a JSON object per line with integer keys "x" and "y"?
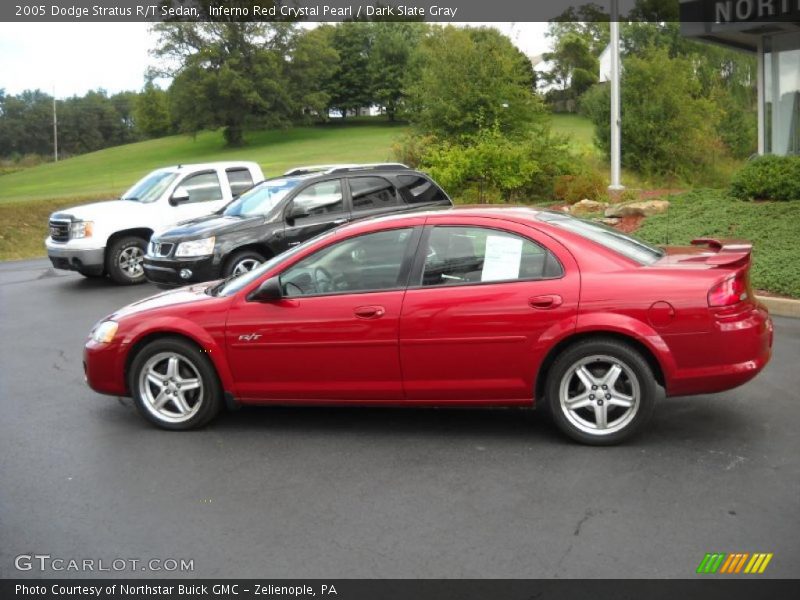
{"x": 282, "y": 212}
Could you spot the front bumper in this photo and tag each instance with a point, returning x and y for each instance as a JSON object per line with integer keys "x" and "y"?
{"x": 167, "y": 272}
{"x": 86, "y": 260}
{"x": 104, "y": 367}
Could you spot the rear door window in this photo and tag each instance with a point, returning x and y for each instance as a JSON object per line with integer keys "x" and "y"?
{"x": 371, "y": 193}
{"x": 415, "y": 189}
{"x": 239, "y": 180}
{"x": 203, "y": 187}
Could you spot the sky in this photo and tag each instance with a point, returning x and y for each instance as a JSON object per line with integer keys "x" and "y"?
{"x": 74, "y": 58}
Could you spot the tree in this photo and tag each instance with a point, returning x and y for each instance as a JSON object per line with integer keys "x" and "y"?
{"x": 312, "y": 64}
{"x": 151, "y": 111}
{"x": 464, "y": 79}
{"x": 226, "y": 74}
{"x": 669, "y": 127}
{"x": 392, "y": 46}
{"x": 350, "y": 87}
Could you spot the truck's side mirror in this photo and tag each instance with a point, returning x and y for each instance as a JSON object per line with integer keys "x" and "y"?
{"x": 179, "y": 196}
{"x": 269, "y": 291}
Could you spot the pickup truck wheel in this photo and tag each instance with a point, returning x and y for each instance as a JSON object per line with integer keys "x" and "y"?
{"x": 125, "y": 260}
{"x": 242, "y": 262}
{"x": 174, "y": 384}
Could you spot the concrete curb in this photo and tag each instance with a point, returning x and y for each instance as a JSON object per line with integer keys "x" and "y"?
{"x": 781, "y": 307}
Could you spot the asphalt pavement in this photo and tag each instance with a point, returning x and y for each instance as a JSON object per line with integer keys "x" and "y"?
{"x": 324, "y": 492}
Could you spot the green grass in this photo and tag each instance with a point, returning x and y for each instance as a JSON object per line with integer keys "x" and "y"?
{"x": 771, "y": 227}
{"x": 578, "y": 128}
{"x": 111, "y": 171}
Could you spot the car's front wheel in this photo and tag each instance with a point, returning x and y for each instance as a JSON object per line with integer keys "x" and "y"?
{"x": 174, "y": 384}
{"x": 125, "y": 260}
{"x": 242, "y": 262}
{"x": 601, "y": 391}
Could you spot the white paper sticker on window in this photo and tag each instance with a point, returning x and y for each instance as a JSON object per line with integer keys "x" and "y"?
{"x": 502, "y": 259}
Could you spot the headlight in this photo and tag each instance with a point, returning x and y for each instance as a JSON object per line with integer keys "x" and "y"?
{"x": 105, "y": 332}
{"x": 81, "y": 229}
{"x": 202, "y": 247}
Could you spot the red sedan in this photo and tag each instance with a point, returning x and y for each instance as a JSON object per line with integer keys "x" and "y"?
{"x": 464, "y": 307}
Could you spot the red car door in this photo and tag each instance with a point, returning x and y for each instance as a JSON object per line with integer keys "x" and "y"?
{"x": 480, "y": 314}
{"x": 333, "y": 337}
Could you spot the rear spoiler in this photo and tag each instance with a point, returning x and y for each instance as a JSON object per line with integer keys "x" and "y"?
{"x": 728, "y": 252}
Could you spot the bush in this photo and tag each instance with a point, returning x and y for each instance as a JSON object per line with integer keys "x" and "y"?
{"x": 498, "y": 166}
{"x": 768, "y": 178}
{"x": 574, "y": 188}
{"x": 668, "y": 128}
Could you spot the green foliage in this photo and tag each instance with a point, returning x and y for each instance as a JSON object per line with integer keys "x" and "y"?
{"x": 390, "y": 55}
{"x": 464, "y": 79}
{"x": 151, "y": 111}
{"x": 313, "y": 62}
{"x": 584, "y": 184}
{"x": 521, "y": 168}
{"x": 669, "y": 128}
{"x": 230, "y": 75}
{"x": 770, "y": 226}
{"x": 768, "y": 178}
{"x": 351, "y": 87}
{"x": 575, "y": 66}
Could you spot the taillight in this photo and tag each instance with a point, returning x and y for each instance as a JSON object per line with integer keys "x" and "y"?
{"x": 729, "y": 291}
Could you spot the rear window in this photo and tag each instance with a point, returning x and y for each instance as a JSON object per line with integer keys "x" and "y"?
{"x": 415, "y": 189}
{"x": 606, "y": 236}
{"x": 239, "y": 180}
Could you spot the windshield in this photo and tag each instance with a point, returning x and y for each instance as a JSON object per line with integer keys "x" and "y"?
{"x": 261, "y": 199}
{"x": 233, "y": 285}
{"x": 606, "y": 236}
{"x": 151, "y": 187}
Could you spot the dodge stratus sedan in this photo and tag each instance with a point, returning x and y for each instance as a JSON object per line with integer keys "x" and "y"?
{"x": 462, "y": 307}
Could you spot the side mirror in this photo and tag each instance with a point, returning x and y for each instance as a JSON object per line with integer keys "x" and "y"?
{"x": 269, "y": 291}
{"x": 297, "y": 212}
{"x": 179, "y": 196}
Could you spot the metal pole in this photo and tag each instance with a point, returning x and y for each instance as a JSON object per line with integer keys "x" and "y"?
{"x": 615, "y": 117}
{"x": 55, "y": 128}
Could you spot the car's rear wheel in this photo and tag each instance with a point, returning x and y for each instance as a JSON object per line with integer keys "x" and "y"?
{"x": 242, "y": 262}
{"x": 174, "y": 385}
{"x": 601, "y": 391}
{"x": 125, "y": 260}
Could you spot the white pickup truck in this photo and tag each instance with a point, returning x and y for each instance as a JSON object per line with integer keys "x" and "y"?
{"x": 110, "y": 237}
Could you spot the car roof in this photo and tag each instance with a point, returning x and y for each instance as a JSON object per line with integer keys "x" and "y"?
{"x": 209, "y": 165}
{"x": 510, "y": 213}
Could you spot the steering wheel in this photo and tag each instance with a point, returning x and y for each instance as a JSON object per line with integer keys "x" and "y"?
{"x": 323, "y": 280}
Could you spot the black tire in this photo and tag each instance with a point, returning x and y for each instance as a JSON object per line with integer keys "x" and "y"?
{"x": 242, "y": 256}
{"x": 202, "y": 404}
{"x": 635, "y": 383}
{"x": 114, "y": 253}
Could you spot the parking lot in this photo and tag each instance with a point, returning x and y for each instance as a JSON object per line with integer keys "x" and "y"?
{"x": 322, "y": 492}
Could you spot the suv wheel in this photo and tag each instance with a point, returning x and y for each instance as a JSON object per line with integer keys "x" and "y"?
{"x": 125, "y": 260}
{"x": 601, "y": 392}
{"x": 174, "y": 385}
{"x": 242, "y": 262}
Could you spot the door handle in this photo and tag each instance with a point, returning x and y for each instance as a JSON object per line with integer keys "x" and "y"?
{"x": 545, "y": 302}
{"x": 369, "y": 312}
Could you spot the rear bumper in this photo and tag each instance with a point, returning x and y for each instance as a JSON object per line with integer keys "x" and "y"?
{"x": 738, "y": 347}
{"x": 168, "y": 272}
{"x": 88, "y": 260}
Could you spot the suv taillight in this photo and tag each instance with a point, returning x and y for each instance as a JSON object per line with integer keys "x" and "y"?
{"x": 730, "y": 291}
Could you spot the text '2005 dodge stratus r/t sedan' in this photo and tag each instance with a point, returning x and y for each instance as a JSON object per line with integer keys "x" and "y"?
{"x": 463, "y": 307}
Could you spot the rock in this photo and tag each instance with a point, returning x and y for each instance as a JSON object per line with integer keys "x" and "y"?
{"x": 637, "y": 209}
{"x": 610, "y": 221}
{"x": 586, "y": 206}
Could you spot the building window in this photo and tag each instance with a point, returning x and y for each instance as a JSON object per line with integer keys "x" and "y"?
{"x": 782, "y": 94}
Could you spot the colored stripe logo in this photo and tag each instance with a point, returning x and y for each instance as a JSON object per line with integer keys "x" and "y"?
{"x": 734, "y": 563}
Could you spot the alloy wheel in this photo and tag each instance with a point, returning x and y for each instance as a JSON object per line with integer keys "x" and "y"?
{"x": 170, "y": 387}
